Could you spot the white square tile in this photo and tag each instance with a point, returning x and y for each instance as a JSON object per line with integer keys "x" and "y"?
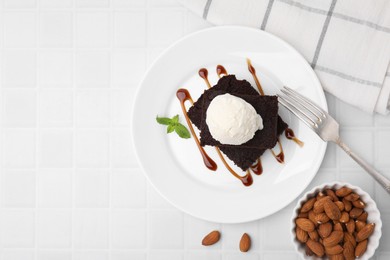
{"x": 128, "y": 229}
{"x": 56, "y": 29}
{"x": 54, "y": 188}
{"x": 204, "y": 255}
{"x": 90, "y": 255}
{"x": 19, "y": 29}
{"x": 91, "y": 188}
{"x": 196, "y": 23}
{"x": 383, "y": 256}
{"x": 55, "y": 69}
{"x": 241, "y": 256}
{"x": 164, "y": 3}
{"x": 126, "y": 255}
{"x": 56, "y": 149}
{"x": 93, "y": 108}
{"x": 128, "y": 67}
{"x": 156, "y": 201}
{"x": 323, "y": 176}
{"x": 166, "y": 230}
{"x": 54, "y": 228}
{"x": 358, "y": 178}
{"x": 19, "y": 108}
{"x": 122, "y": 101}
{"x": 385, "y": 239}
{"x": 93, "y": 69}
{"x": 92, "y": 148}
{"x": 92, "y": 29}
{"x": 361, "y": 142}
{"x": 55, "y": 108}
{"x": 54, "y": 255}
{"x": 18, "y": 188}
{"x": 382, "y": 120}
{"x": 330, "y": 160}
{"x": 90, "y": 229}
{"x": 128, "y": 189}
{"x": 352, "y": 116}
{"x": 17, "y": 228}
{"x": 233, "y": 233}
{"x": 152, "y": 54}
{"x": 196, "y": 229}
{"x": 381, "y": 196}
{"x": 382, "y": 154}
{"x": 92, "y": 3}
{"x": 129, "y": 3}
{"x": 122, "y": 150}
{"x": 55, "y": 3}
{"x": 163, "y": 255}
{"x": 277, "y": 232}
{"x": 16, "y": 63}
{"x": 18, "y": 148}
{"x": 165, "y": 26}
{"x": 19, "y": 3}
{"x": 17, "y": 254}
{"x": 280, "y": 255}
{"x": 130, "y": 29}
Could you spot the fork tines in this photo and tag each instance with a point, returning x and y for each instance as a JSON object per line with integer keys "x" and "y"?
{"x": 311, "y": 114}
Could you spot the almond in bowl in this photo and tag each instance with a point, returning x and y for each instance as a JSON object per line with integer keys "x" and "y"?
{"x": 336, "y": 221}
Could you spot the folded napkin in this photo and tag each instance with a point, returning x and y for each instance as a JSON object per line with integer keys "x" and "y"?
{"x": 347, "y": 42}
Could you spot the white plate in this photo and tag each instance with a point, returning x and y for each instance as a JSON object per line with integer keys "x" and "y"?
{"x": 174, "y": 165}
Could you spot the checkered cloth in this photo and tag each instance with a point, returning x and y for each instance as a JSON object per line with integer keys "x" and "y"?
{"x": 347, "y": 42}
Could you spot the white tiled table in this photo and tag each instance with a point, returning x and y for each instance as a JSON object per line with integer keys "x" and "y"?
{"x": 70, "y": 184}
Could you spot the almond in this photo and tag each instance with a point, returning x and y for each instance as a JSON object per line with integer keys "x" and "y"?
{"x": 338, "y": 227}
{"x": 321, "y": 218}
{"x": 245, "y": 243}
{"x": 312, "y": 217}
{"x": 319, "y": 204}
{"x": 344, "y": 217}
{"x": 359, "y": 225}
{"x": 320, "y": 195}
{"x": 352, "y": 197}
{"x": 344, "y": 191}
{"x": 308, "y": 205}
{"x": 334, "y": 250}
{"x": 333, "y": 239}
{"x": 303, "y": 215}
{"x": 302, "y": 235}
{"x": 365, "y": 232}
{"x": 314, "y": 235}
{"x": 332, "y": 210}
{"x": 355, "y": 213}
{"x": 358, "y": 204}
{"x": 361, "y": 248}
{"x": 349, "y": 251}
{"x": 308, "y": 251}
{"x": 325, "y": 229}
{"x": 340, "y": 205}
{"x": 363, "y": 216}
{"x": 315, "y": 247}
{"x": 347, "y": 205}
{"x": 350, "y": 226}
{"x": 212, "y": 238}
{"x": 337, "y": 257}
{"x": 331, "y": 193}
{"x": 305, "y": 224}
{"x": 348, "y": 237}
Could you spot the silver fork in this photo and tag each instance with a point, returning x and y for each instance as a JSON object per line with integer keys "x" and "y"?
{"x": 325, "y": 127}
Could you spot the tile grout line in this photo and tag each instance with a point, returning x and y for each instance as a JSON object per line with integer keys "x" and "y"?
{"x": 73, "y": 178}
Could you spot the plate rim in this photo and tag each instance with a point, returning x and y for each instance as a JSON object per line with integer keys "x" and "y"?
{"x": 133, "y": 126}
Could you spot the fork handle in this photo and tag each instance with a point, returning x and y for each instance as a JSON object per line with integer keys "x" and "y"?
{"x": 382, "y": 180}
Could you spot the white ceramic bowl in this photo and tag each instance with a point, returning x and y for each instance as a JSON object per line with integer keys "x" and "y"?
{"x": 371, "y": 208}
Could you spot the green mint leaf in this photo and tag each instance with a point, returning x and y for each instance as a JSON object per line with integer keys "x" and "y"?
{"x": 182, "y": 131}
{"x": 170, "y": 129}
{"x": 175, "y": 119}
{"x": 163, "y": 120}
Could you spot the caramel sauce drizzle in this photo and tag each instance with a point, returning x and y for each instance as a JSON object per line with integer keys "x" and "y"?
{"x": 280, "y": 156}
{"x": 257, "y": 168}
{"x": 183, "y": 95}
{"x": 221, "y": 71}
{"x": 203, "y": 73}
{"x": 247, "y": 179}
{"x": 253, "y": 72}
{"x": 289, "y": 133}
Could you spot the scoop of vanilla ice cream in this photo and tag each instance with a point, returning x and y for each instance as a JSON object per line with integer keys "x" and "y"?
{"x": 232, "y": 120}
